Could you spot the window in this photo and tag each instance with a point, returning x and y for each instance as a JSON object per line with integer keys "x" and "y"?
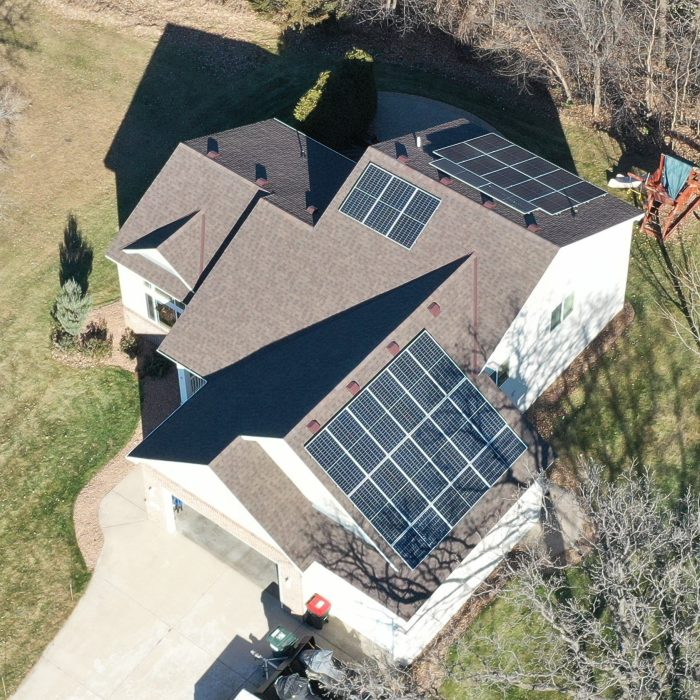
{"x": 499, "y": 374}
{"x": 161, "y": 307}
{"x": 561, "y": 311}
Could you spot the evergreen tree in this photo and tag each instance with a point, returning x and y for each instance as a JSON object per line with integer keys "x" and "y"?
{"x": 72, "y": 307}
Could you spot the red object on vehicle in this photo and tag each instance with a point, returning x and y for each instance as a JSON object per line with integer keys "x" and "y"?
{"x": 318, "y": 606}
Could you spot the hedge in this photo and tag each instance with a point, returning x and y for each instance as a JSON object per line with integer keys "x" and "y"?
{"x": 340, "y": 107}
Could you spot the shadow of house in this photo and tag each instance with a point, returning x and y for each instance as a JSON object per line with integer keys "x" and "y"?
{"x": 197, "y": 83}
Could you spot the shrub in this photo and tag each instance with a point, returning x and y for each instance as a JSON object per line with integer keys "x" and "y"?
{"x": 339, "y": 108}
{"x": 157, "y": 365}
{"x": 296, "y": 13}
{"x": 96, "y": 340}
{"x": 129, "y": 343}
{"x": 61, "y": 340}
{"x": 71, "y": 307}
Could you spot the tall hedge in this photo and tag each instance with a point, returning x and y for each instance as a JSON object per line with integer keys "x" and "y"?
{"x": 340, "y": 107}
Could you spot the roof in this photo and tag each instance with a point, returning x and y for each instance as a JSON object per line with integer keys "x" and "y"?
{"x": 301, "y": 171}
{"x": 339, "y": 264}
{"x": 560, "y": 230}
{"x": 169, "y": 218}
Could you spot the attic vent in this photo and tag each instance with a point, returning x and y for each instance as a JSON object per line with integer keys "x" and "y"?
{"x": 393, "y": 348}
{"x": 402, "y": 158}
{"x": 446, "y": 181}
{"x": 487, "y": 202}
{"x": 531, "y": 223}
{"x": 353, "y": 387}
{"x": 434, "y": 308}
{"x": 213, "y": 154}
{"x": 212, "y": 148}
{"x": 314, "y": 426}
{"x": 535, "y": 228}
{"x": 311, "y": 209}
{"x": 262, "y": 182}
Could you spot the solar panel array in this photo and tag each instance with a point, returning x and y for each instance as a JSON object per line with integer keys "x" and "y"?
{"x": 389, "y": 205}
{"x": 513, "y": 175}
{"x": 416, "y": 449}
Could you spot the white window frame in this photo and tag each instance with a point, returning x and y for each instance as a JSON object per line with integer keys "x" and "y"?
{"x": 155, "y": 296}
{"x": 561, "y": 311}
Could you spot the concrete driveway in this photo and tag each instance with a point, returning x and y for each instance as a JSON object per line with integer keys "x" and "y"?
{"x": 161, "y": 618}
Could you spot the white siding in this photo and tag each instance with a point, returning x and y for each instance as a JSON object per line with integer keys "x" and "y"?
{"x": 201, "y": 481}
{"x": 405, "y": 640}
{"x": 595, "y": 271}
{"x": 133, "y": 291}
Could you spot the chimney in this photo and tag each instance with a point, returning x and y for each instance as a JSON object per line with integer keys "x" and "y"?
{"x": 434, "y": 308}
{"x": 393, "y": 348}
{"x": 353, "y": 387}
{"x": 314, "y": 426}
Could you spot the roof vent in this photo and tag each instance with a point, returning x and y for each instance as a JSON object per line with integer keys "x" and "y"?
{"x": 314, "y": 426}
{"x": 311, "y": 209}
{"x": 262, "y": 182}
{"x": 402, "y": 158}
{"x": 487, "y": 202}
{"x": 444, "y": 180}
{"x": 393, "y": 348}
{"x": 212, "y": 148}
{"x": 353, "y": 387}
{"x": 419, "y": 142}
{"x": 434, "y": 308}
{"x": 531, "y": 223}
{"x": 535, "y": 228}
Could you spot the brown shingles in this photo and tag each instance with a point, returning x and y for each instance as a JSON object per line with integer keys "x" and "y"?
{"x": 189, "y": 183}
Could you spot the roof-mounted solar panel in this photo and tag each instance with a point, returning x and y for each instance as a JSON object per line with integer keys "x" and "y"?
{"x": 416, "y": 449}
{"x": 514, "y": 176}
{"x": 390, "y": 205}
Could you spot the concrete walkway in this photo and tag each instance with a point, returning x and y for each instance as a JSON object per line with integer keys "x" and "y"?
{"x": 399, "y": 114}
{"x": 161, "y": 618}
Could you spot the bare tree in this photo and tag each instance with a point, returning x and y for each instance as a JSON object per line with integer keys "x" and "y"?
{"x": 376, "y": 679}
{"x": 626, "y": 622}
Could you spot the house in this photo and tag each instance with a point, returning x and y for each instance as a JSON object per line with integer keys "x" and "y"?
{"x": 355, "y": 344}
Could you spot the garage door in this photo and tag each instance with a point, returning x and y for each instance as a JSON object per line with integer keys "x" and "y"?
{"x": 222, "y": 544}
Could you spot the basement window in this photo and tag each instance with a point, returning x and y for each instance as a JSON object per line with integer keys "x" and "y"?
{"x": 561, "y": 311}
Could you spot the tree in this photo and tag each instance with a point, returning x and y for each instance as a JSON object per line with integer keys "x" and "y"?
{"x": 340, "y": 107}
{"x": 625, "y": 623}
{"x": 376, "y": 679}
{"x": 75, "y": 255}
{"x": 71, "y": 308}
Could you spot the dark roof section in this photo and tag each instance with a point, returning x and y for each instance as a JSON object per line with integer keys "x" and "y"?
{"x": 301, "y": 171}
{"x": 278, "y": 279}
{"x": 270, "y": 391}
{"x": 562, "y": 229}
{"x": 170, "y": 213}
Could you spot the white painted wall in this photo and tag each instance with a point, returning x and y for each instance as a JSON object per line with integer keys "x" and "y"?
{"x": 133, "y": 292}
{"x": 405, "y": 640}
{"x": 595, "y": 270}
{"x": 308, "y": 483}
{"x": 201, "y": 481}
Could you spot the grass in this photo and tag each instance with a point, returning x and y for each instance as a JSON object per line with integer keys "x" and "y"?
{"x": 107, "y": 110}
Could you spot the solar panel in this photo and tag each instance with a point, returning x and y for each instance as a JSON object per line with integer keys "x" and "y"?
{"x": 511, "y": 175}
{"x": 417, "y": 448}
{"x": 390, "y": 205}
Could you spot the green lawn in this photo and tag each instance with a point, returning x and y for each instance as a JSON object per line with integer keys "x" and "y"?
{"x": 107, "y": 109}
